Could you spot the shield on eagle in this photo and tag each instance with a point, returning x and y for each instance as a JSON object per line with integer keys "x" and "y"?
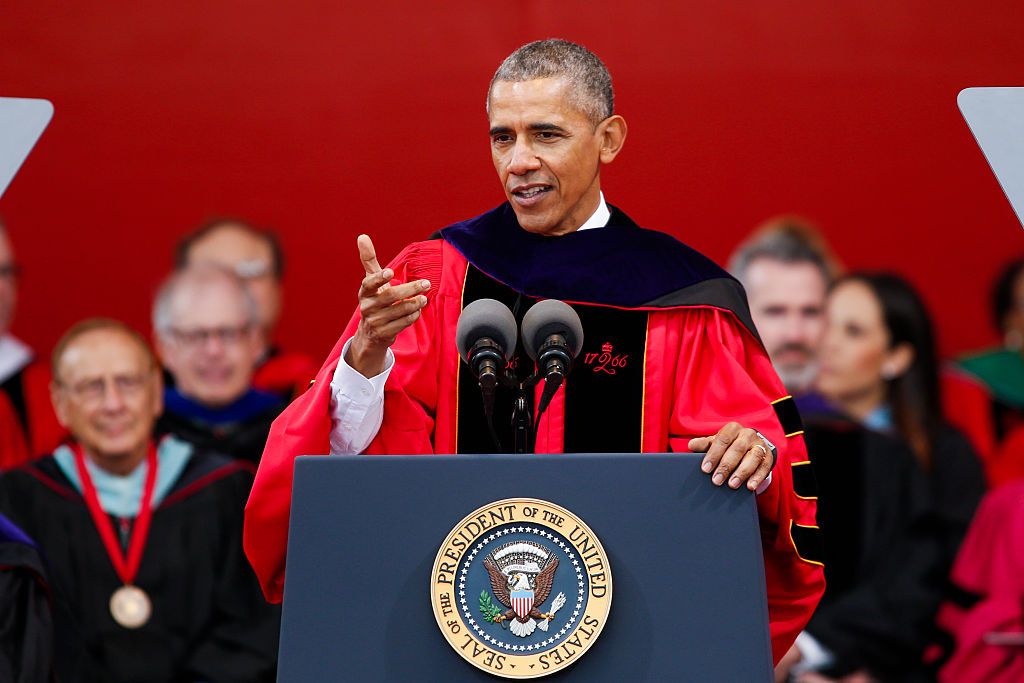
{"x": 522, "y": 602}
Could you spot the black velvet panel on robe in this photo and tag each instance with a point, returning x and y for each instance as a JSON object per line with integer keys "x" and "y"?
{"x": 209, "y": 622}
{"x": 603, "y": 392}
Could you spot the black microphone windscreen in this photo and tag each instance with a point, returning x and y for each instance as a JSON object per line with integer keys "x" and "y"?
{"x": 551, "y": 317}
{"x": 486, "y": 318}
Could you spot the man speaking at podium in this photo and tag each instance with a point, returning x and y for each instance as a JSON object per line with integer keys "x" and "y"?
{"x": 671, "y": 355}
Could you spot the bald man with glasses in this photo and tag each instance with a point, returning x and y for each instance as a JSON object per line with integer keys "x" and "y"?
{"x": 141, "y": 536}
{"x": 256, "y": 256}
{"x": 207, "y": 330}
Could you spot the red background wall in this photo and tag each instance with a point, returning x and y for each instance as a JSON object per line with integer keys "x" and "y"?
{"x": 326, "y": 119}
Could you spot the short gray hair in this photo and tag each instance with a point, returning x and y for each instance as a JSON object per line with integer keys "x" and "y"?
{"x": 788, "y": 240}
{"x": 198, "y": 275}
{"x": 589, "y": 83}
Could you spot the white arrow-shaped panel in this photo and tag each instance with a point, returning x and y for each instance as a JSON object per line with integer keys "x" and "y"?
{"x": 22, "y": 121}
{"x": 996, "y": 118}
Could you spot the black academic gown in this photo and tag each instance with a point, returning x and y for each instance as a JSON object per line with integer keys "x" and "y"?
{"x": 238, "y": 432}
{"x": 26, "y": 621}
{"x": 957, "y": 484}
{"x": 209, "y": 620}
{"x": 882, "y": 551}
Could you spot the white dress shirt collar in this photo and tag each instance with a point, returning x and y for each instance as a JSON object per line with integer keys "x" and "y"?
{"x": 14, "y": 355}
{"x": 599, "y": 218}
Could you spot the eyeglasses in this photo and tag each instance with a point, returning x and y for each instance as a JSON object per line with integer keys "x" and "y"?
{"x": 249, "y": 269}
{"x": 9, "y": 271}
{"x": 252, "y": 269}
{"x": 199, "y": 336}
{"x": 92, "y": 391}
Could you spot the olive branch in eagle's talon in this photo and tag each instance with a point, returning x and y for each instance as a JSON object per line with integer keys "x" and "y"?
{"x": 490, "y": 611}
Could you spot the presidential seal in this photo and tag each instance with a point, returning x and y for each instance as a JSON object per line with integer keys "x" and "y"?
{"x": 521, "y": 588}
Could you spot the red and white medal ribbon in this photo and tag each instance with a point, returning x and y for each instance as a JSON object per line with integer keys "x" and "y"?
{"x": 129, "y": 605}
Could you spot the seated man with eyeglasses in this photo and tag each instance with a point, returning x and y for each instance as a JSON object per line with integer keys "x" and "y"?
{"x": 206, "y": 325}
{"x": 255, "y": 255}
{"x": 141, "y": 538}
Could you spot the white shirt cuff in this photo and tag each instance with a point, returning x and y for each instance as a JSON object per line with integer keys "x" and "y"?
{"x": 813, "y": 655}
{"x": 357, "y": 405}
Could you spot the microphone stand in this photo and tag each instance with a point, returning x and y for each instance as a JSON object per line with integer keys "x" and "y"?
{"x": 522, "y": 421}
{"x": 522, "y": 424}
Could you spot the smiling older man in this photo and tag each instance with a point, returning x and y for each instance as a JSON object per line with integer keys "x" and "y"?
{"x": 142, "y": 538}
{"x": 689, "y": 363}
{"x": 256, "y": 256}
{"x": 207, "y": 334}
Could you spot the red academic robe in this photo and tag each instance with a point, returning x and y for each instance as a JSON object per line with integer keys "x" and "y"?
{"x": 701, "y": 369}
{"x": 1007, "y": 464}
{"x": 286, "y": 373}
{"x": 42, "y": 432}
{"x": 988, "y": 597}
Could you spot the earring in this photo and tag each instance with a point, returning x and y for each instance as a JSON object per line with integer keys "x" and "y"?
{"x": 888, "y": 373}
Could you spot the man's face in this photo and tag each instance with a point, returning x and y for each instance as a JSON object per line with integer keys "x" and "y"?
{"x": 107, "y": 392}
{"x": 212, "y": 346}
{"x": 548, "y": 154}
{"x": 249, "y": 257}
{"x": 787, "y": 302}
{"x": 8, "y": 282}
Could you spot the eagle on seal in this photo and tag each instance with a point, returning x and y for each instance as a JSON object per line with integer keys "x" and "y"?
{"x": 521, "y": 596}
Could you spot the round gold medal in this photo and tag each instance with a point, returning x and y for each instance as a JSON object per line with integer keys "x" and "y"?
{"x": 521, "y": 588}
{"x": 130, "y": 607}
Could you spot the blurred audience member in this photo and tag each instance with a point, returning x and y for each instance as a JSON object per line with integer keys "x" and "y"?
{"x": 256, "y": 256}
{"x": 879, "y": 366}
{"x": 26, "y": 621}
{"x": 982, "y": 622}
{"x": 786, "y": 269}
{"x": 24, "y": 382}
{"x": 1001, "y": 370}
{"x": 880, "y": 556}
{"x": 143, "y": 539}
{"x": 207, "y": 333}
{"x": 873, "y": 618}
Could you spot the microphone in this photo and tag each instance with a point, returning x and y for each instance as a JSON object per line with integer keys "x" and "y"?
{"x": 552, "y": 337}
{"x": 486, "y": 336}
